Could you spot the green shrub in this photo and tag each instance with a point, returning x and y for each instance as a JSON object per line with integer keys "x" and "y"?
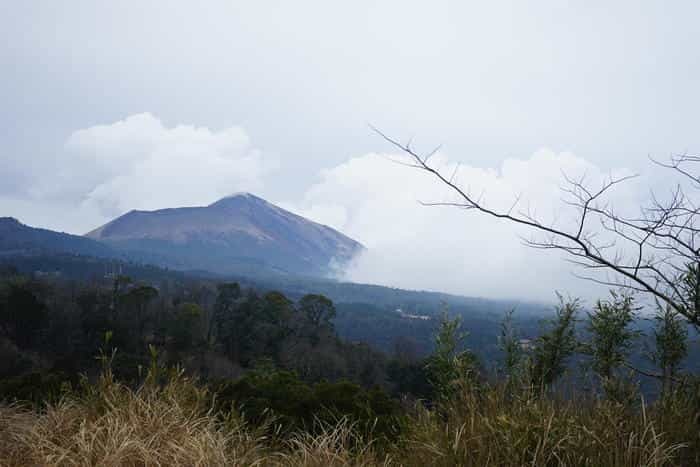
{"x": 280, "y": 397}
{"x": 35, "y": 387}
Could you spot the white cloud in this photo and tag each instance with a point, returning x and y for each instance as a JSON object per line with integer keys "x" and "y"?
{"x": 376, "y": 200}
{"x": 138, "y": 163}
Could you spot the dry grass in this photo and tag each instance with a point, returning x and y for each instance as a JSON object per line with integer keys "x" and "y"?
{"x": 112, "y": 425}
{"x": 335, "y": 446}
{"x": 491, "y": 429}
{"x": 116, "y": 426}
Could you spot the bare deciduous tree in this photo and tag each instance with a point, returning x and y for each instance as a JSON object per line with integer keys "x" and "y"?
{"x": 655, "y": 251}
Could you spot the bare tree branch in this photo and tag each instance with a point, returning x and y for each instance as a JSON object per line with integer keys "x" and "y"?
{"x": 662, "y": 237}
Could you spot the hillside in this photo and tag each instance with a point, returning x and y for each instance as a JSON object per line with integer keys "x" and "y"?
{"x": 20, "y": 239}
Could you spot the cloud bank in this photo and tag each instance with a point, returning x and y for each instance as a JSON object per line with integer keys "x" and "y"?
{"x": 137, "y": 163}
{"x": 377, "y": 200}
{"x": 141, "y": 163}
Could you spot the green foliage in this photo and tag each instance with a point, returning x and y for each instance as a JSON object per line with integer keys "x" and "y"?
{"x": 513, "y": 353}
{"x": 611, "y": 336}
{"x": 136, "y": 301}
{"x": 185, "y": 327}
{"x": 228, "y": 324}
{"x": 274, "y": 325}
{"x": 671, "y": 345}
{"x": 228, "y": 295}
{"x": 448, "y": 366}
{"x": 96, "y": 318}
{"x": 280, "y": 398}
{"x": 318, "y": 312}
{"x": 263, "y": 394}
{"x": 689, "y": 285}
{"x": 249, "y": 326}
{"x": 35, "y": 387}
{"x": 410, "y": 378}
{"x": 556, "y": 344}
{"x": 22, "y": 314}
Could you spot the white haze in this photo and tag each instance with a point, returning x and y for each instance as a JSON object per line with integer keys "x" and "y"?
{"x": 377, "y": 200}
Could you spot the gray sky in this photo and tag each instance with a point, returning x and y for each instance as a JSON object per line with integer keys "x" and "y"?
{"x": 275, "y": 97}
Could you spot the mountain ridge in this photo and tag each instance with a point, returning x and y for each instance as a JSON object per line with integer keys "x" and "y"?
{"x": 233, "y": 234}
{"x": 19, "y": 238}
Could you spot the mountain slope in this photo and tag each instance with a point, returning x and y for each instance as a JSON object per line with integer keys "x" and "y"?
{"x": 19, "y": 239}
{"x": 237, "y": 234}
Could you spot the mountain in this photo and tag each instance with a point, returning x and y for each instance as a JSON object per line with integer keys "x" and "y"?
{"x": 241, "y": 234}
{"x": 19, "y": 239}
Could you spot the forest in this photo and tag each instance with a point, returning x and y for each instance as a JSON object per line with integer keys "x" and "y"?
{"x": 252, "y": 375}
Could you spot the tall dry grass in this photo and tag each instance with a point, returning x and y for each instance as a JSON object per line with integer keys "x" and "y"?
{"x": 173, "y": 425}
{"x": 482, "y": 428}
{"x": 113, "y": 425}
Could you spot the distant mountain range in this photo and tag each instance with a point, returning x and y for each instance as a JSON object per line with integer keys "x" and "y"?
{"x": 239, "y": 234}
{"x": 17, "y": 239}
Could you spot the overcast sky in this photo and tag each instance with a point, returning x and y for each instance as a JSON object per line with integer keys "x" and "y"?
{"x": 112, "y": 106}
